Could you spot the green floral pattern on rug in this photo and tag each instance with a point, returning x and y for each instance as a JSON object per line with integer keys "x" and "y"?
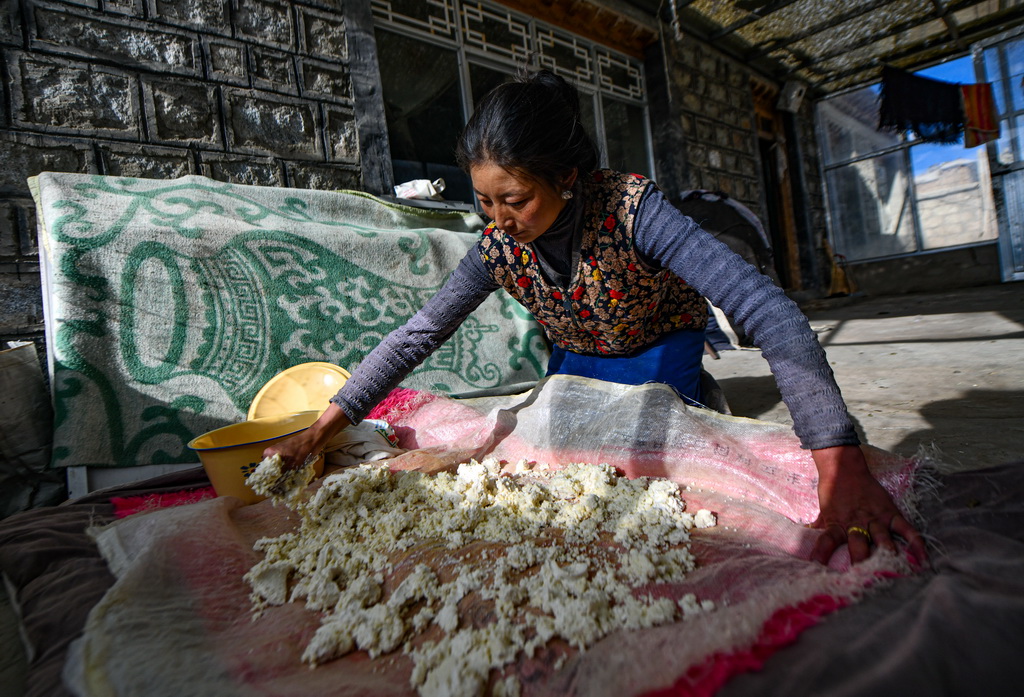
{"x": 170, "y": 303}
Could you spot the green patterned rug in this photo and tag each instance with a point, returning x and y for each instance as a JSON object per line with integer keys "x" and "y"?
{"x": 169, "y": 303}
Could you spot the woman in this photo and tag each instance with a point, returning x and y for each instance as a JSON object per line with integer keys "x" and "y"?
{"x": 600, "y": 258}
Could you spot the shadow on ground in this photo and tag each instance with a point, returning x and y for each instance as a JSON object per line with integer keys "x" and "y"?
{"x": 983, "y": 428}
{"x": 756, "y": 397}
{"x": 751, "y": 397}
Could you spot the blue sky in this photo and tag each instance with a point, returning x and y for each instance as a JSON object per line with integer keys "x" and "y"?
{"x": 958, "y": 70}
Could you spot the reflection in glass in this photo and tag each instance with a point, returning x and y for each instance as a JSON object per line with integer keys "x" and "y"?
{"x": 1020, "y": 138}
{"x": 482, "y": 80}
{"x": 588, "y": 115}
{"x": 1015, "y": 70}
{"x": 994, "y": 74}
{"x": 875, "y": 210}
{"x": 1004, "y": 146}
{"x": 423, "y": 110}
{"x": 954, "y": 200}
{"x": 870, "y": 205}
{"x": 625, "y": 137}
{"x": 850, "y": 126}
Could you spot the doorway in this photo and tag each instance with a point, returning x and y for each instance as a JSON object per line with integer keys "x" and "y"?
{"x": 778, "y": 199}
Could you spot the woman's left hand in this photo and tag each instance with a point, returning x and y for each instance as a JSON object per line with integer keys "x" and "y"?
{"x": 856, "y": 509}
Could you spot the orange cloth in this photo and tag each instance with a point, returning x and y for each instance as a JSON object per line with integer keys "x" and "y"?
{"x": 981, "y": 120}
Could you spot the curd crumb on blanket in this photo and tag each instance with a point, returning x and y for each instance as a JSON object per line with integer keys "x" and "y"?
{"x": 705, "y": 519}
{"x": 467, "y": 572}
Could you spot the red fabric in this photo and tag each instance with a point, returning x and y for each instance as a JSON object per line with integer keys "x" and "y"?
{"x": 400, "y": 402}
{"x": 126, "y": 506}
{"x": 780, "y": 630}
{"x": 981, "y": 118}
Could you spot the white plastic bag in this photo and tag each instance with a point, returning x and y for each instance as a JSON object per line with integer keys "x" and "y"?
{"x": 421, "y": 188}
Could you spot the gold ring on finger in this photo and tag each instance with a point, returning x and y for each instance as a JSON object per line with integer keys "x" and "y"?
{"x": 857, "y": 528}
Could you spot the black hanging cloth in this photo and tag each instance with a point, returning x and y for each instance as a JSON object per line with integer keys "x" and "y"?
{"x": 931, "y": 109}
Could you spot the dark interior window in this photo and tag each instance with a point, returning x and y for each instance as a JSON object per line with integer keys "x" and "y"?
{"x": 422, "y": 103}
{"x": 482, "y": 80}
{"x": 625, "y": 137}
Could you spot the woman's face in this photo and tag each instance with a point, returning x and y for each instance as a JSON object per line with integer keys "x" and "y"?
{"x": 520, "y": 206}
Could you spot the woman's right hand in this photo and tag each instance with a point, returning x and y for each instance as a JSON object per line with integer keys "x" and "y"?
{"x": 295, "y": 450}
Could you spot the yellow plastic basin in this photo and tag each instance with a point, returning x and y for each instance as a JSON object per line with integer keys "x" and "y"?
{"x": 230, "y": 454}
{"x": 304, "y": 387}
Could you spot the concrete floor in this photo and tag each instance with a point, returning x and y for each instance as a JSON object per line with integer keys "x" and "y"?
{"x": 937, "y": 369}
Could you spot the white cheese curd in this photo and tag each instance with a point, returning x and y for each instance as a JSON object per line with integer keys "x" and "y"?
{"x": 268, "y": 479}
{"x": 535, "y": 554}
{"x": 705, "y": 519}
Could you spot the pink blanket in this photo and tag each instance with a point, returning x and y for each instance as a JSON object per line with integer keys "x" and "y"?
{"x": 180, "y": 615}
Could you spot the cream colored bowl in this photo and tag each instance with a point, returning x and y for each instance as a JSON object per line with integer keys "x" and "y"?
{"x": 304, "y": 387}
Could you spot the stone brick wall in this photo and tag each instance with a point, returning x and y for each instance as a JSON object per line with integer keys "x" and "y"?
{"x": 714, "y": 107}
{"x": 265, "y": 92}
{"x": 710, "y": 117}
{"x": 816, "y": 275}
{"x": 812, "y": 169}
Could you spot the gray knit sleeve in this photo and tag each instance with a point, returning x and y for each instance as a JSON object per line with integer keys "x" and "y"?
{"x": 671, "y": 240}
{"x": 409, "y": 345}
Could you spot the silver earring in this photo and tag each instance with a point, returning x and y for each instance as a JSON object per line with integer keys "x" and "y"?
{"x": 566, "y": 195}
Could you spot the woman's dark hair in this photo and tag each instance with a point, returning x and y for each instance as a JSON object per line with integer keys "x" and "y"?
{"x": 530, "y": 125}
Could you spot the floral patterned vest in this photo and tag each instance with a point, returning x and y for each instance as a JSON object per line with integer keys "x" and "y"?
{"x": 615, "y": 304}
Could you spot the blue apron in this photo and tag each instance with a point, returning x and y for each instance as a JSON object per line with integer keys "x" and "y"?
{"x": 674, "y": 359}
